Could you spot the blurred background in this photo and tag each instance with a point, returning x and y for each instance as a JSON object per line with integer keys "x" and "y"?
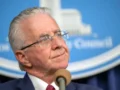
{"x": 94, "y": 44}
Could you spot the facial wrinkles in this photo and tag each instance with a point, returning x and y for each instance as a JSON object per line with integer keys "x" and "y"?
{"x": 48, "y": 26}
{"x": 49, "y": 63}
{"x": 58, "y": 53}
{"x": 35, "y": 57}
{"x": 59, "y": 48}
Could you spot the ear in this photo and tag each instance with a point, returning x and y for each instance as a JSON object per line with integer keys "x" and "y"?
{"x": 22, "y": 58}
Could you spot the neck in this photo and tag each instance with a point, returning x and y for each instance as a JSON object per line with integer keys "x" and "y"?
{"x": 47, "y": 76}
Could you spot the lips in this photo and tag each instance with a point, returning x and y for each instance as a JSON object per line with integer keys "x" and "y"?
{"x": 58, "y": 53}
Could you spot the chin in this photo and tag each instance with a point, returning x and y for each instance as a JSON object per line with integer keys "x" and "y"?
{"x": 60, "y": 66}
{"x": 63, "y": 66}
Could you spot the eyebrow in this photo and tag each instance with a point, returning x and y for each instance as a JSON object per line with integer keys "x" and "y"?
{"x": 57, "y": 31}
{"x": 44, "y": 34}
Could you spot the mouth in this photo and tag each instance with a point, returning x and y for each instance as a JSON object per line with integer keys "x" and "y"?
{"x": 59, "y": 53}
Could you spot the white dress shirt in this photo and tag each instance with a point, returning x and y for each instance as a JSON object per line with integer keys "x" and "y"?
{"x": 40, "y": 84}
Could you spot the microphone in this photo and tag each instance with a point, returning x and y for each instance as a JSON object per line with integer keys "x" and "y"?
{"x": 62, "y": 78}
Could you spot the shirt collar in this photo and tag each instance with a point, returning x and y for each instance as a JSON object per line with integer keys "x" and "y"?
{"x": 40, "y": 84}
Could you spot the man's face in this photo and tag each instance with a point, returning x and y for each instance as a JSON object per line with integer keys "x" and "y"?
{"x": 53, "y": 56}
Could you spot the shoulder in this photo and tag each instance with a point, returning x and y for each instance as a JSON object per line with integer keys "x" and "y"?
{"x": 77, "y": 86}
{"x": 10, "y": 85}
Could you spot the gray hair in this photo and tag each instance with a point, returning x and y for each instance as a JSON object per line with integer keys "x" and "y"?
{"x": 16, "y": 35}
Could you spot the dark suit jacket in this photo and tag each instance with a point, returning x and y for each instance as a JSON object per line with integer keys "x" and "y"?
{"x": 26, "y": 84}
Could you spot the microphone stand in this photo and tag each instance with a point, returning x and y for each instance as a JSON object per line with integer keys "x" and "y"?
{"x": 61, "y": 82}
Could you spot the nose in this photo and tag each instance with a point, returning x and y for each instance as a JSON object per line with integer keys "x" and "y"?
{"x": 56, "y": 43}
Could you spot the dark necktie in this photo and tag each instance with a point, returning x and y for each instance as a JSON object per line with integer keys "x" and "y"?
{"x": 50, "y": 87}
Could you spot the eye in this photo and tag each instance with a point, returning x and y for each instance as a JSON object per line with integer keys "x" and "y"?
{"x": 44, "y": 38}
{"x": 59, "y": 33}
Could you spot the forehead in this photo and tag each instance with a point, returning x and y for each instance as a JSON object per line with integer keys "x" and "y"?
{"x": 39, "y": 24}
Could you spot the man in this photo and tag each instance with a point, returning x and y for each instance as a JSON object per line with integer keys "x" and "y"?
{"x": 40, "y": 49}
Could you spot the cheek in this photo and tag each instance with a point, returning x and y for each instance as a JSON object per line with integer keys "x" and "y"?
{"x": 66, "y": 47}
{"x": 39, "y": 57}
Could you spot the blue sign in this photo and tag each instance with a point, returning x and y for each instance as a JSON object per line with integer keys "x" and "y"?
{"x": 93, "y": 26}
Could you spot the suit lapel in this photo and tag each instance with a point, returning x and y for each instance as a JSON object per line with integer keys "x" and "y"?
{"x": 25, "y": 84}
{"x": 70, "y": 87}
